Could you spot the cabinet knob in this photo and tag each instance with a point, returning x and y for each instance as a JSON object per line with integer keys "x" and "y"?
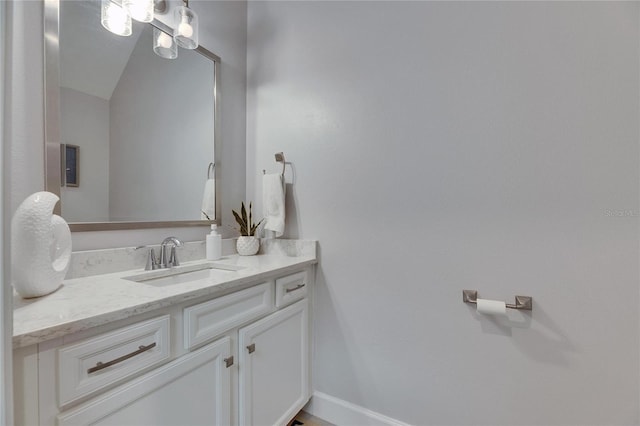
{"x": 251, "y": 348}
{"x": 228, "y": 361}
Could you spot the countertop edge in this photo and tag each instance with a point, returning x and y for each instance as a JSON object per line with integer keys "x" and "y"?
{"x": 60, "y": 330}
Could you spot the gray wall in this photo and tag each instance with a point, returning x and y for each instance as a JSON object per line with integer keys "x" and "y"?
{"x": 441, "y": 146}
{"x": 222, "y": 31}
{"x": 85, "y": 122}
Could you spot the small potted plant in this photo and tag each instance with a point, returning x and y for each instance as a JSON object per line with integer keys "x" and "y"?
{"x": 248, "y": 244}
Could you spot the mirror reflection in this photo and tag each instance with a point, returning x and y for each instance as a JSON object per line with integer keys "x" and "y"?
{"x": 144, "y": 125}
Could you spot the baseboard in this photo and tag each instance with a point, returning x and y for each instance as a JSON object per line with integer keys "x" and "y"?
{"x": 343, "y": 413}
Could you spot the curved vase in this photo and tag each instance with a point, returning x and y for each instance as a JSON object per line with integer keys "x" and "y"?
{"x": 40, "y": 246}
{"x": 247, "y": 246}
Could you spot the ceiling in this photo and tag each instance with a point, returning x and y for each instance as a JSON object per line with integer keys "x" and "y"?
{"x": 83, "y": 67}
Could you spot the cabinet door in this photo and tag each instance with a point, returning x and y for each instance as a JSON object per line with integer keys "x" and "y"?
{"x": 274, "y": 367}
{"x": 192, "y": 390}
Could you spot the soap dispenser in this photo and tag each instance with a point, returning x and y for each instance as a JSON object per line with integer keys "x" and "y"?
{"x": 214, "y": 244}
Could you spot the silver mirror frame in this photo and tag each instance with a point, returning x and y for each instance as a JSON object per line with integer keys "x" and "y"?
{"x": 52, "y": 127}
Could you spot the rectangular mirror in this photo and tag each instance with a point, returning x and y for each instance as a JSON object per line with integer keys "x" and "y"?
{"x": 147, "y": 125}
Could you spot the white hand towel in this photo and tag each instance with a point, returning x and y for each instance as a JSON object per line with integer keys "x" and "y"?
{"x": 209, "y": 200}
{"x": 273, "y": 203}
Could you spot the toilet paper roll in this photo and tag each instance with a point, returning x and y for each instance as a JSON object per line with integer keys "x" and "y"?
{"x": 491, "y": 307}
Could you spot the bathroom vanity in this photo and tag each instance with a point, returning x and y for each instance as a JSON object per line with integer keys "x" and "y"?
{"x": 215, "y": 343}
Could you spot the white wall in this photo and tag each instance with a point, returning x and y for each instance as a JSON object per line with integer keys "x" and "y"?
{"x": 158, "y": 108}
{"x": 85, "y": 122}
{"x": 222, "y": 31}
{"x": 6, "y": 293}
{"x": 25, "y": 118}
{"x": 440, "y": 146}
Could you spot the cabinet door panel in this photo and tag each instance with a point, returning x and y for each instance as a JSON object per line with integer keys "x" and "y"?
{"x": 274, "y": 376}
{"x": 192, "y": 390}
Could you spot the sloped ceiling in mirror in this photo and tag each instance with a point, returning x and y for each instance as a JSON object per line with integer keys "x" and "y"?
{"x": 87, "y": 69}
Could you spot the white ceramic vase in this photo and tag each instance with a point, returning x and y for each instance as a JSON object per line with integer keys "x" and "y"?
{"x": 40, "y": 246}
{"x": 247, "y": 246}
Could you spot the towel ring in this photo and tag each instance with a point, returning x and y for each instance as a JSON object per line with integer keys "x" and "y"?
{"x": 211, "y": 170}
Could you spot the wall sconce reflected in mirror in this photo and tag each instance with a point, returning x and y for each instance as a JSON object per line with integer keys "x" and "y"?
{"x": 164, "y": 45}
{"x": 186, "y": 32}
{"x": 116, "y": 17}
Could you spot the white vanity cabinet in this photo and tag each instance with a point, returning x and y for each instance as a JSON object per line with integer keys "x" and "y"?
{"x": 238, "y": 359}
{"x": 274, "y": 360}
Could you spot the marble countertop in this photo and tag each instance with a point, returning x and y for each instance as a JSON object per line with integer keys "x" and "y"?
{"x": 82, "y": 303}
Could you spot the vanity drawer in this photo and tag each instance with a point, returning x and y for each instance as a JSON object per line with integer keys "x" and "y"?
{"x": 205, "y": 321}
{"x": 291, "y": 288}
{"x": 100, "y": 361}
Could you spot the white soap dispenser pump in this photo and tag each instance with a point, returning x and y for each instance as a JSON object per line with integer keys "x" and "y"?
{"x": 214, "y": 244}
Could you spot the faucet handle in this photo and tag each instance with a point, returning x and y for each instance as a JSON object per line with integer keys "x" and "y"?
{"x": 152, "y": 261}
{"x": 173, "y": 259}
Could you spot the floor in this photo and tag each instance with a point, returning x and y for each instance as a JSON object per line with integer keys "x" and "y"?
{"x": 307, "y": 419}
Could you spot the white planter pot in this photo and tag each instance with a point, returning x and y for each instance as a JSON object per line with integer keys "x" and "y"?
{"x": 247, "y": 246}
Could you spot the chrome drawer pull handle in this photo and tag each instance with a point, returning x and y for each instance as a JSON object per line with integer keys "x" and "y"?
{"x": 100, "y": 365}
{"x": 299, "y": 286}
{"x": 251, "y": 348}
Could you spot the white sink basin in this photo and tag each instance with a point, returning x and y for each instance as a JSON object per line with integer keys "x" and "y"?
{"x": 184, "y": 274}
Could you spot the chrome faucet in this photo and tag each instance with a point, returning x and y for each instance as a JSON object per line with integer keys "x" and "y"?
{"x": 169, "y": 260}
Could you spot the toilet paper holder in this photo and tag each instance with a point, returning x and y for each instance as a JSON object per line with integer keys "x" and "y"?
{"x": 523, "y": 303}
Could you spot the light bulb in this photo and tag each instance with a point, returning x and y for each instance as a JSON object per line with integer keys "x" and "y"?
{"x": 117, "y": 18}
{"x": 164, "y": 40}
{"x": 185, "y": 29}
{"x": 140, "y": 10}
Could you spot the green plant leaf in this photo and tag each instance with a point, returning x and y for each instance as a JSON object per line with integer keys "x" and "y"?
{"x": 243, "y": 225}
{"x": 247, "y": 227}
{"x": 237, "y": 216}
{"x": 255, "y": 227}
{"x": 243, "y": 212}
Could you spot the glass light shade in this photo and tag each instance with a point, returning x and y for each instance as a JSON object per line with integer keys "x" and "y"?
{"x": 115, "y": 19}
{"x": 140, "y": 10}
{"x": 186, "y": 31}
{"x": 164, "y": 45}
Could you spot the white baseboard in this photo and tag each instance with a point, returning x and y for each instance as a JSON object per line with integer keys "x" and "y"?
{"x": 343, "y": 413}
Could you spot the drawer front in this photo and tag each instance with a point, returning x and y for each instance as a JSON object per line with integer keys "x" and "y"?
{"x": 291, "y": 288}
{"x": 205, "y": 321}
{"x": 100, "y": 361}
{"x": 191, "y": 390}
